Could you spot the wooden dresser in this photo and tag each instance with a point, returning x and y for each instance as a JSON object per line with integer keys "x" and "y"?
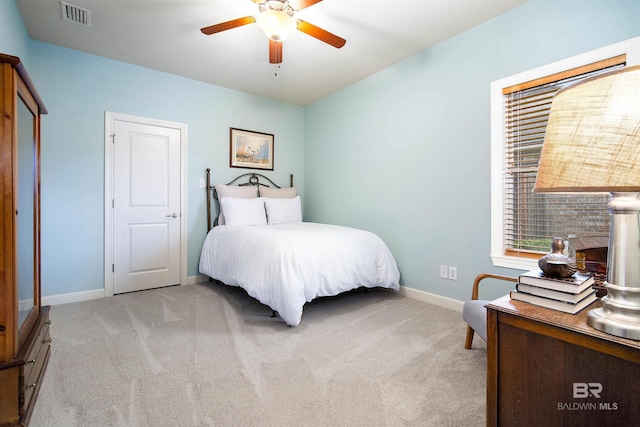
{"x": 24, "y": 323}
{"x": 548, "y": 368}
{"x": 20, "y": 379}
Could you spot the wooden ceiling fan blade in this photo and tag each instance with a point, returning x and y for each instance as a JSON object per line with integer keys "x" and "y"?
{"x": 320, "y": 34}
{"x": 212, "y": 29}
{"x": 275, "y": 52}
{"x": 302, "y": 4}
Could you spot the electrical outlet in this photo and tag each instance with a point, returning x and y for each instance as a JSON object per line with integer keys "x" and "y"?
{"x": 201, "y": 183}
{"x": 453, "y": 273}
{"x": 444, "y": 272}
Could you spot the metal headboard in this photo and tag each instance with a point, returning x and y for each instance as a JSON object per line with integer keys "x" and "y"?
{"x": 250, "y": 178}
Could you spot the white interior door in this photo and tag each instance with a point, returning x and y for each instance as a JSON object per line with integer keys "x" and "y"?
{"x": 146, "y": 206}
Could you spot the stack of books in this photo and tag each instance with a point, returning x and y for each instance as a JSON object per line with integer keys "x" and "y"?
{"x": 569, "y": 294}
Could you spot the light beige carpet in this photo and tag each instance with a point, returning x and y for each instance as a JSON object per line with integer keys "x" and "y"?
{"x": 210, "y": 355}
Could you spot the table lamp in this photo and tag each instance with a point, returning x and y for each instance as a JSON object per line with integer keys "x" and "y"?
{"x": 592, "y": 144}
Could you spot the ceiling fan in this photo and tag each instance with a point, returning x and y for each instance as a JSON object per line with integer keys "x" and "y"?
{"x": 277, "y": 20}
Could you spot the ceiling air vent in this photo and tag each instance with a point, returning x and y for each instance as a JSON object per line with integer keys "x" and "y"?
{"x": 76, "y": 14}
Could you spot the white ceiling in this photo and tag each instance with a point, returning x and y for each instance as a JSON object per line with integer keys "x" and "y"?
{"x": 165, "y": 35}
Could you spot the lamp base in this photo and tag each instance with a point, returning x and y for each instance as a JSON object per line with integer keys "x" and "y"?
{"x": 620, "y": 313}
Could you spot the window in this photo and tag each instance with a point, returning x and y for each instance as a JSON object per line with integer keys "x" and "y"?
{"x": 524, "y": 223}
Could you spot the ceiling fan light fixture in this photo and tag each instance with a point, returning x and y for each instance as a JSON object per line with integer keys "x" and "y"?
{"x": 276, "y": 25}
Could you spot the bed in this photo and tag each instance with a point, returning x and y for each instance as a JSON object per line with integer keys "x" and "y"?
{"x": 259, "y": 242}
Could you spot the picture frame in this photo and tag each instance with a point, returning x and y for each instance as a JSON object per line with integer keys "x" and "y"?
{"x": 250, "y": 150}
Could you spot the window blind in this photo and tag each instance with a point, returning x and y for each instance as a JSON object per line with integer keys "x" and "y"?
{"x": 532, "y": 220}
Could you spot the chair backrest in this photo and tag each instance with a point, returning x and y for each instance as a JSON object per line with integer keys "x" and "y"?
{"x": 482, "y": 276}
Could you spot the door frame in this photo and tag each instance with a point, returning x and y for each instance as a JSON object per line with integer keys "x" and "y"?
{"x": 109, "y": 128}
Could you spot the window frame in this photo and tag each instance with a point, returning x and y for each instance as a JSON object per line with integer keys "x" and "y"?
{"x": 630, "y": 48}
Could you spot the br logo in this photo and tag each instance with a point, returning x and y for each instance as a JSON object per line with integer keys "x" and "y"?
{"x": 584, "y": 390}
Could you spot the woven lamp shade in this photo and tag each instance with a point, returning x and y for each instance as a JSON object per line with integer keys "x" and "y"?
{"x": 592, "y": 142}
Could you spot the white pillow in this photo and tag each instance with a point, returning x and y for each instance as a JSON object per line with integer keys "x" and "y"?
{"x": 281, "y": 211}
{"x": 278, "y": 193}
{"x": 237, "y": 191}
{"x": 243, "y": 211}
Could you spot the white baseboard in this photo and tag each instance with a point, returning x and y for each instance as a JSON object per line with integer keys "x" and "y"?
{"x": 434, "y": 299}
{"x": 192, "y": 280}
{"x": 73, "y": 297}
{"x": 99, "y": 293}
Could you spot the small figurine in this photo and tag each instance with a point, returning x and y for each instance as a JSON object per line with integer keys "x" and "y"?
{"x": 556, "y": 263}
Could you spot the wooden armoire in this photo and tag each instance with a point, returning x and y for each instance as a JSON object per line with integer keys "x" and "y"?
{"x": 24, "y": 323}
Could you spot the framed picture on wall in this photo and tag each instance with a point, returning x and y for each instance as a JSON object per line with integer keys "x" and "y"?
{"x": 251, "y": 150}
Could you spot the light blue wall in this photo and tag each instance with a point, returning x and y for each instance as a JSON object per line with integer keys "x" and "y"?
{"x": 78, "y": 88}
{"x": 406, "y": 153}
{"x": 14, "y": 39}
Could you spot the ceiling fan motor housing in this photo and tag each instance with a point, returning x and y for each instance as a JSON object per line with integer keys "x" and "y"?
{"x": 277, "y": 6}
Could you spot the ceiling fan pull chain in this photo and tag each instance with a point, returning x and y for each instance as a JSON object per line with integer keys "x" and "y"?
{"x": 277, "y": 66}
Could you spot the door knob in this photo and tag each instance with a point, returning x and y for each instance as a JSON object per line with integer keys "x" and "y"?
{"x": 172, "y": 215}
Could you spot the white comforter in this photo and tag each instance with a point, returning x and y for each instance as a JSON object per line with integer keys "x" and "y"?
{"x": 286, "y": 265}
